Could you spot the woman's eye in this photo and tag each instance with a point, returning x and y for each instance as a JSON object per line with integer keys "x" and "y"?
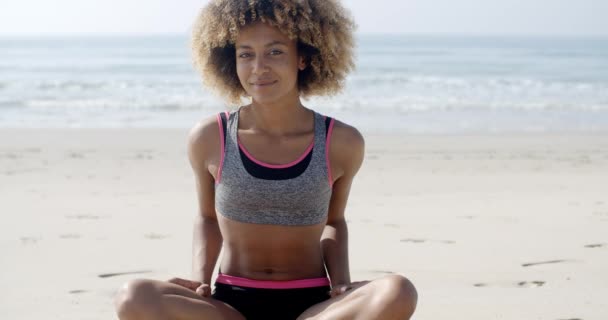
{"x": 276, "y": 52}
{"x": 244, "y": 55}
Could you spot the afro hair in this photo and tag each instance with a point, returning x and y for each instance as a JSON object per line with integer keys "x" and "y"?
{"x": 323, "y": 30}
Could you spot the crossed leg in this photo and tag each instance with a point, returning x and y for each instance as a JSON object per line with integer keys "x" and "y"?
{"x": 392, "y": 297}
{"x": 160, "y": 300}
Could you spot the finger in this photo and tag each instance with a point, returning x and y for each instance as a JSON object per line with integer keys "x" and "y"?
{"x": 200, "y": 291}
{"x": 332, "y": 292}
{"x": 179, "y": 282}
{"x": 192, "y": 285}
{"x": 340, "y": 290}
{"x": 335, "y": 291}
{"x": 184, "y": 283}
{"x": 204, "y": 290}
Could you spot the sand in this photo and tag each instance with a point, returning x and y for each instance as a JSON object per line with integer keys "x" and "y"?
{"x": 511, "y": 226}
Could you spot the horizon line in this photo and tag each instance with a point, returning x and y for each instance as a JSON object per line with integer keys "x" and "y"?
{"x": 187, "y": 34}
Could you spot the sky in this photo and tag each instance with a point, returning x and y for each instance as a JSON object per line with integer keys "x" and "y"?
{"x": 479, "y": 17}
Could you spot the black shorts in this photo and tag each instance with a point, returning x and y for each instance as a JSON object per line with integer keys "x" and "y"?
{"x": 270, "y": 304}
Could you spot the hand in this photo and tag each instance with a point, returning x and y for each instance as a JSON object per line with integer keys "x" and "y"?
{"x": 339, "y": 289}
{"x": 202, "y": 289}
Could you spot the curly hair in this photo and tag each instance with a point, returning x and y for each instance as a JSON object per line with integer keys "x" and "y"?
{"x": 323, "y": 30}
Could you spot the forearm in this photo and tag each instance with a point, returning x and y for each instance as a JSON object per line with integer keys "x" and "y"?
{"x": 334, "y": 243}
{"x": 206, "y": 246}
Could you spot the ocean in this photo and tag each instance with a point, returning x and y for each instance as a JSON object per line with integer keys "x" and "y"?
{"x": 419, "y": 84}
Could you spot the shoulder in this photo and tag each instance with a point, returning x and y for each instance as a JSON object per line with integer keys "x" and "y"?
{"x": 347, "y": 148}
{"x": 204, "y": 141}
{"x": 345, "y": 135}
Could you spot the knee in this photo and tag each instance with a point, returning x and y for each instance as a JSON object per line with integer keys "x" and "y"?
{"x": 135, "y": 299}
{"x": 399, "y": 294}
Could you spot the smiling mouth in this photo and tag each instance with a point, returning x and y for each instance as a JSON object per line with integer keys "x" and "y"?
{"x": 263, "y": 84}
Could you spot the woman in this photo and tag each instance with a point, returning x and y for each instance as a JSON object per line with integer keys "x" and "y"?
{"x": 273, "y": 177}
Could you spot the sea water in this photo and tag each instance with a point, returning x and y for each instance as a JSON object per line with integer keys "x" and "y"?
{"x": 402, "y": 83}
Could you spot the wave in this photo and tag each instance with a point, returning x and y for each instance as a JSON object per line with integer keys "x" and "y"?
{"x": 398, "y": 104}
{"x": 386, "y": 91}
{"x": 67, "y": 105}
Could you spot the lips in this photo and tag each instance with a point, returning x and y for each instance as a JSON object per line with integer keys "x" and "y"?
{"x": 263, "y": 83}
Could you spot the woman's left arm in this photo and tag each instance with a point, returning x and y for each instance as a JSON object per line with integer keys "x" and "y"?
{"x": 346, "y": 152}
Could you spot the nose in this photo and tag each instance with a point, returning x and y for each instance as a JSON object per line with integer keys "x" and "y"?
{"x": 259, "y": 66}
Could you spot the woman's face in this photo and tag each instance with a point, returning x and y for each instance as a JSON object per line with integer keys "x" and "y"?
{"x": 267, "y": 63}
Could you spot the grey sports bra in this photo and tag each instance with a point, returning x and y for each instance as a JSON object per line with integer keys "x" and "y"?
{"x": 293, "y": 194}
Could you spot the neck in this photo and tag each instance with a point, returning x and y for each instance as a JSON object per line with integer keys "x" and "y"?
{"x": 278, "y": 118}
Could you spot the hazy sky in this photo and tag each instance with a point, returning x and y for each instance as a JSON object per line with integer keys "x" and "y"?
{"x": 532, "y": 17}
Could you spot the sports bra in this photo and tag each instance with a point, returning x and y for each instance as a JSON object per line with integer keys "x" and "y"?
{"x": 293, "y": 194}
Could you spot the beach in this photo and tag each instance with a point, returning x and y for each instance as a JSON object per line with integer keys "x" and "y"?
{"x": 487, "y": 226}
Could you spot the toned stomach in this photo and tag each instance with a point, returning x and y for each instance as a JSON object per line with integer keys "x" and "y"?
{"x": 269, "y": 252}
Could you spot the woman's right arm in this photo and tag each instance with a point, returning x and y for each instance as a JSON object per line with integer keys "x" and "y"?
{"x": 204, "y": 155}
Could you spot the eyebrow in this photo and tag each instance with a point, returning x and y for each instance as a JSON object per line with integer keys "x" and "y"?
{"x": 270, "y": 44}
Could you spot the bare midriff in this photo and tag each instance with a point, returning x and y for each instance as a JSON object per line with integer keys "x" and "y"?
{"x": 269, "y": 252}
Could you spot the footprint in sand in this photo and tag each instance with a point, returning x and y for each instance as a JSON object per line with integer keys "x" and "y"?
{"x": 155, "y": 236}
{"x": 600, "y": 213}
{"x": 11, "y": 156}
{"x": 531, "y": 264}
{"x": 520, "y": 284}
{"x": 82, "y": 216}
{"x": 467, "y": 217}
{"x": 70, "y": 236}
{"x": 76, "y": 291}
{"x": 25, "y": 170}
{"x": 595, "y": 245}
{"x": 427, "y": 240}
{"x": 29, "y": 240}
{"x": 381, "y": 271}
{"x": 530, "y": 284}
{"x": 75, "y": 155}
{"x": 414, "y": 240}
{"x": 140, "y": 156}
{"x": 116, "y": 274}
{"x": 144, "y": 154}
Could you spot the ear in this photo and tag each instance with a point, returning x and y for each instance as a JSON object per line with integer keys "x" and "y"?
{"x": 301, "y": 63}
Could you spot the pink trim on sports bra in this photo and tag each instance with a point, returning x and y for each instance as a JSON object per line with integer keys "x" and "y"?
{"x": 329, "y": 132}
{"x": 222, "y": 148}
{"x": 276, "y": 166}
{"x": 270, "y": 284}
